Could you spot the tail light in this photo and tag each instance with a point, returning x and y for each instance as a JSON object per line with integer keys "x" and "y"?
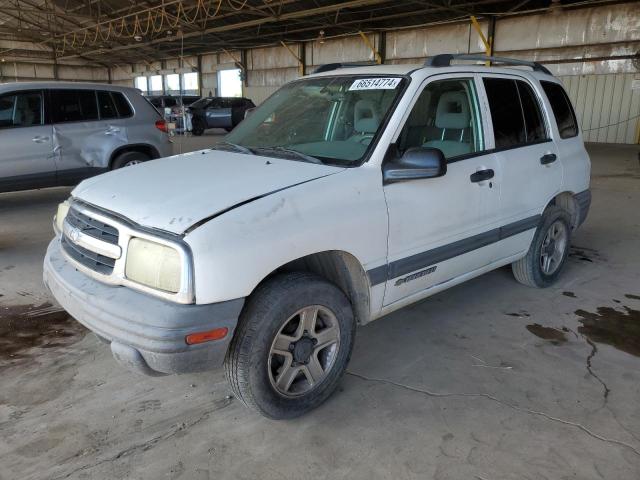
{"x": 162, "y": 126}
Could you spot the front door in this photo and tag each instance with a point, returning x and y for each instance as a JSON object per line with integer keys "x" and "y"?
{"x": 441, "y": 228}
{"x": 218, "y": 113}
{"x": 27, "y": 152}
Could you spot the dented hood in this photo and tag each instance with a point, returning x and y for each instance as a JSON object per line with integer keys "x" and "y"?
{"x": 174, "y": 193}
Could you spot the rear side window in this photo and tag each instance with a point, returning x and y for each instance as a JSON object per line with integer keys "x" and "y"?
{"x": 106, "y": 106}
{"x": 534, "y": 125}
{"x": 562, "y": 109}
{"x": 122, "y": 105}
{"x": 21, "y": 110}
{"x": 73, "y": 106}
{"x": 506, "y": 114}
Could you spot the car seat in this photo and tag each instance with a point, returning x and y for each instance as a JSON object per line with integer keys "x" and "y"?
{"x": 365, "y": 122}
{"x": 452, "y": 114}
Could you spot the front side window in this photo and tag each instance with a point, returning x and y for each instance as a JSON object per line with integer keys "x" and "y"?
{"x": 333, "y": 119}
{"x": 21, "y": 110}
{"x": 506, "y": 113}
{"x": 445, "y": 117}
{"x": 73, "y": 106}
{"x": 562, "y": 109}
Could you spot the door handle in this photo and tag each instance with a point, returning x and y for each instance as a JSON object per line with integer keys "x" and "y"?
{"x": 548, "y": 158}
{"x": 481, "y": 175}
{"x": 40, "y": 139}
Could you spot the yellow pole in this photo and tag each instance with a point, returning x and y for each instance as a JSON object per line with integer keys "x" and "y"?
{"x": 376, "y": 55}
{"x": 487, "y": 43}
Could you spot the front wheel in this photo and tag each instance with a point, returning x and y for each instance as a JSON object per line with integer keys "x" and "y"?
{"x": 548, "y": 251}
{"x": 197, "y": 127}
{"x": 292, "y": 345}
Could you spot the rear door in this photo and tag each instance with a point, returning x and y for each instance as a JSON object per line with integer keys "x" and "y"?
{"x": 86, "y": 129}
{"x": 528, "y": 157}
{"x": 218, "y": 113}
{"x": 26, "y": 140}
{"x": 442, "y": 228}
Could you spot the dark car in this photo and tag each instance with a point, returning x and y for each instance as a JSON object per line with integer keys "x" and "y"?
{"x": 218, "y": 112}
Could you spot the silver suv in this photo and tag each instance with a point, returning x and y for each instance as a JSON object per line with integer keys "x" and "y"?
{"x": 55, "y": 133}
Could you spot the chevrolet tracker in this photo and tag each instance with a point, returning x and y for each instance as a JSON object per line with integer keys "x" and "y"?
{"x": 348, "y": 194}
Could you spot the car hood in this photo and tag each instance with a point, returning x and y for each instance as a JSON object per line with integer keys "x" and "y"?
{"x": 174, "y": 193}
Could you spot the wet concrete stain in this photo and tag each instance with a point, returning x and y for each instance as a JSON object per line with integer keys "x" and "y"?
{"x": 632, "y": 296}
{"x": 553, "y": 335}
{"x": 617, "y": 328}
{"x": 25, "y": 327}
{"x": 520, "y": 314}
{"x": 569, "y": 294}
{"x": 583, "y": 253}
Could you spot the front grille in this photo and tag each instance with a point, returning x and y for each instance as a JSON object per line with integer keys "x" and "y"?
{"x": 94, "y": 261}
{"x": 92, "y": 227}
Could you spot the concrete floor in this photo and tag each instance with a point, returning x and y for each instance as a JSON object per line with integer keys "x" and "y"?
{"x": 489, "y": 380}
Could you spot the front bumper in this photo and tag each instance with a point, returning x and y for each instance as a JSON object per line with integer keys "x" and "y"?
{"x": 147, "y": 334}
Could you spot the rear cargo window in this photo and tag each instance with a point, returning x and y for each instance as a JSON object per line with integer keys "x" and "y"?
{"x": 562, "y": 109}
{"x": 122, "y": 105}
{"x": 73, "y": 106}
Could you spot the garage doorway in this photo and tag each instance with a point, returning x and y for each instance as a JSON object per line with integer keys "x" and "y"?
{"x": 230, "y": 83}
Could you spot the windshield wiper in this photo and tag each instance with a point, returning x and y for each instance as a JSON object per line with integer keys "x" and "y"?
{"x": 235, "y": 146}
{"x": 290, "y": 151}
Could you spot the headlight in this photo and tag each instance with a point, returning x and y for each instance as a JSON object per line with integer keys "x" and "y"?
{"x": 154, "y": 265}
{"x": 63, "y": 209}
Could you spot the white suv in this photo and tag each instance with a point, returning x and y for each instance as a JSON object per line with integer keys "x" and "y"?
{"x": 348, "y": 194}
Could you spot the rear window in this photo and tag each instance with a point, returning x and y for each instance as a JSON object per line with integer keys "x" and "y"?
{"x": 73, "y": 106}
{"x": 562, "y": 109}
{"x": 122, "y": 105}
{"x": 506, "y": 114}
{"x": 534, "y": 125}
{"x": 106, "y": 106}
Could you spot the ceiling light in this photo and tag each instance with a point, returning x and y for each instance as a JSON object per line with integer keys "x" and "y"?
{"x": 138, "y": 38}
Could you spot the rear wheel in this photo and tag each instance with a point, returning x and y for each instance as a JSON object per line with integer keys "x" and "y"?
{"x": 128, "y": 159}
{"x": 548, "y": 251}
{"x": 292, "y": 345}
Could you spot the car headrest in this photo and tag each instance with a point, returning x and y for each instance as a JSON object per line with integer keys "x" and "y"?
{"x": 453, "y": 111}
{"x": 365, "y": 117}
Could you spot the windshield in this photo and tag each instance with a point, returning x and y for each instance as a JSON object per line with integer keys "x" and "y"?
{"x": 333, "y": 119}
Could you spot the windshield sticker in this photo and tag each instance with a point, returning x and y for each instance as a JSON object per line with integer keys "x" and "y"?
{"x": 375, "y": 84}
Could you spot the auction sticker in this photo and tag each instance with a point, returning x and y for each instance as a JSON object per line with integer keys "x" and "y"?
{"x": 375, "y": 84}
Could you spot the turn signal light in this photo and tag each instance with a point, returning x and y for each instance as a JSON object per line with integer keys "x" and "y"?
{"x": 201, "y": 337}
{"x": 162, "y": 126}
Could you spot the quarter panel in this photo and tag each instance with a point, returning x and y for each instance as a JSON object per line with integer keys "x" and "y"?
{"x": 234, "y": 252}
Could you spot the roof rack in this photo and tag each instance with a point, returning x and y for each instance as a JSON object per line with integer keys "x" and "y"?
{"x": 334, "y": 66}
{"x": 444, "y": 60}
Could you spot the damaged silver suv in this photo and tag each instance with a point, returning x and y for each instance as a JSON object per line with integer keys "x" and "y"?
{"x": 56, "y": 133}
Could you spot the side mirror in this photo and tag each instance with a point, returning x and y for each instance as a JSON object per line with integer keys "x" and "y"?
{"x": 417, "y": 162}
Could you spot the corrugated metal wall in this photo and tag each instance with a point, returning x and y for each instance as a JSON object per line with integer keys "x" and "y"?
{"x": 607, "y": 106}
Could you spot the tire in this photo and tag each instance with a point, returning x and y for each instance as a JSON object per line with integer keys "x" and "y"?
{"x": 256, "y": 373}
{"x": 197, "y": 127}
{"x": 532, "y": 270}
{"x": 228, "y": 129}
{"x": 128, "y": 159}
